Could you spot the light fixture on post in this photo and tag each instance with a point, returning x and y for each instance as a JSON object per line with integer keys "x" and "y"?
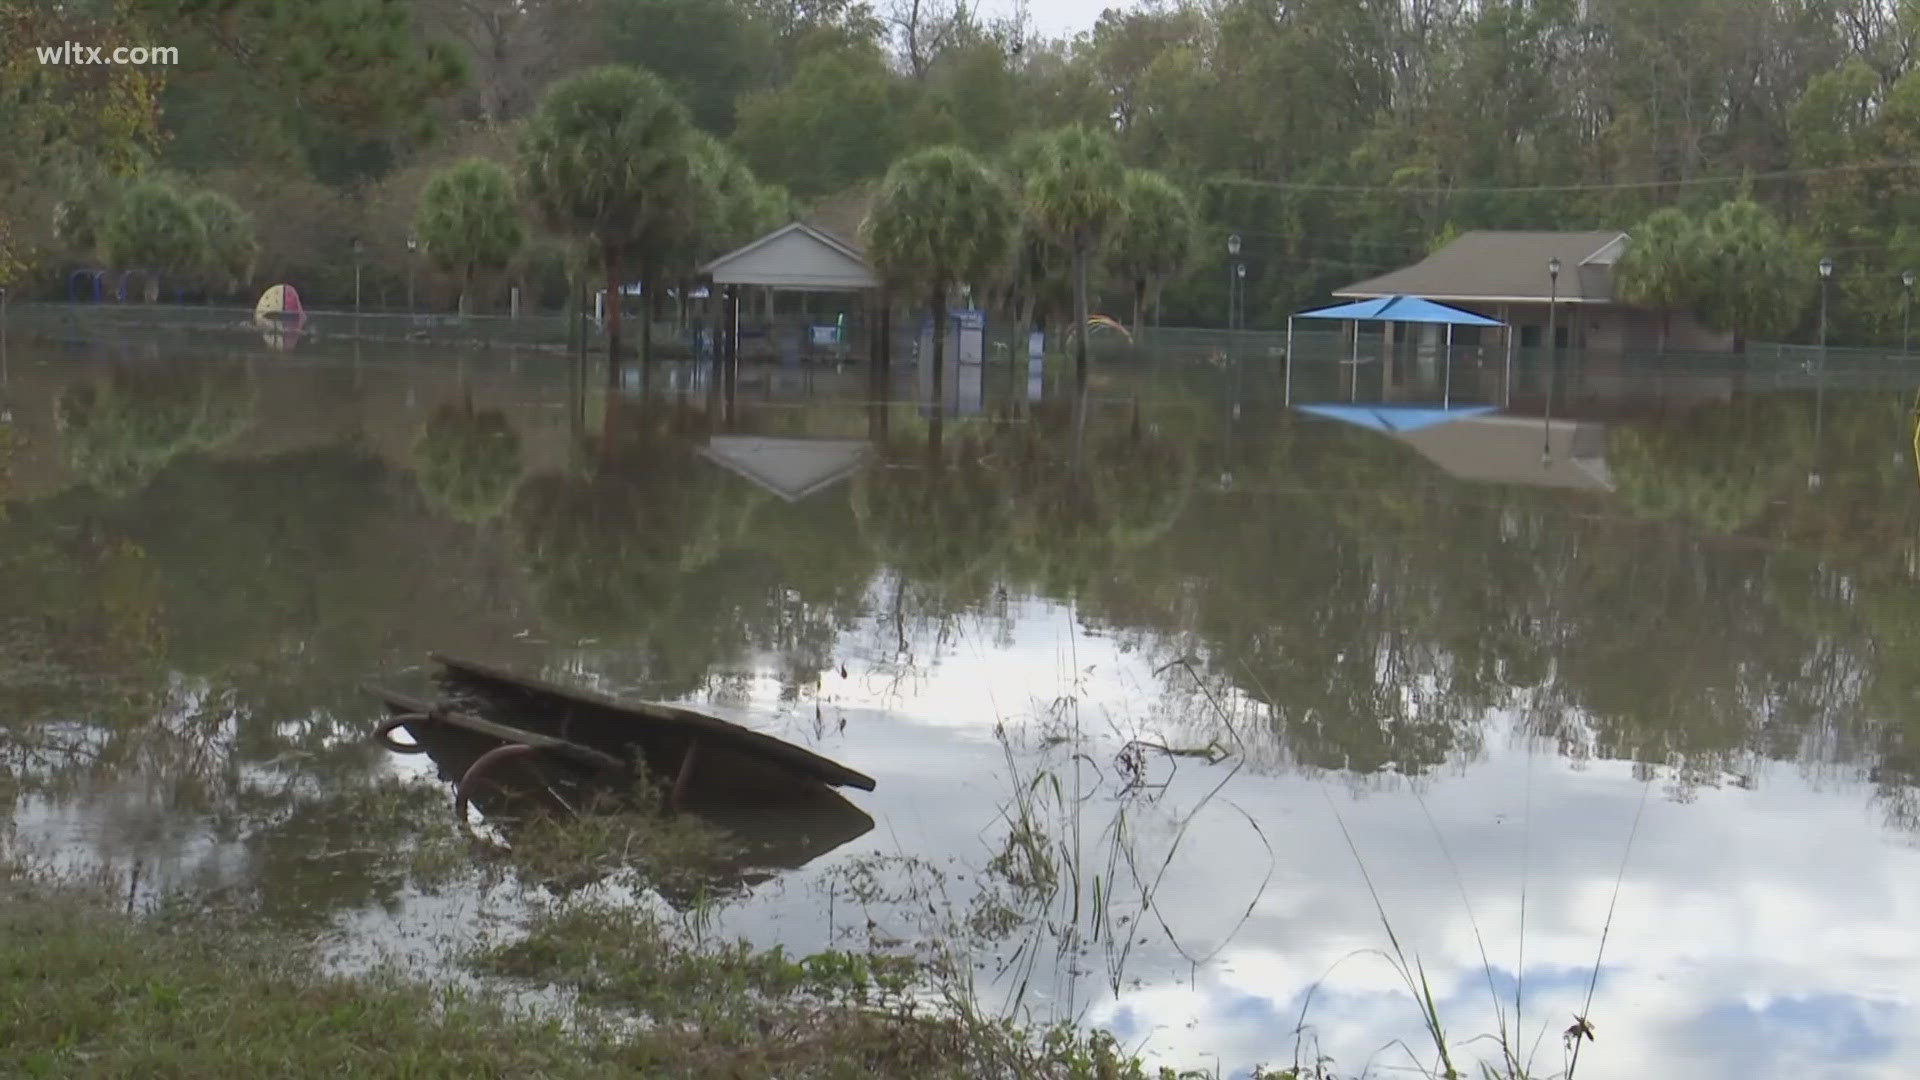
{"x": 357, "y": 249}
{"x": 413, "y": 251}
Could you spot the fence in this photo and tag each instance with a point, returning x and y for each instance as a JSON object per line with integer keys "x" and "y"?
{"x": 1323, "y": 364}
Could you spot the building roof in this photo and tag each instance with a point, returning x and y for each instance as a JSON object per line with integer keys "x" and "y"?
{"x": 1506, "y": 267}
{"x": 1478, "y": 444}
{"x": 841, "y": 214}
{"x": 1509, "y": 450}
{"x": 790, "y": 468}
{"x": 795, "y": 256}
{"x": 1405, "y": 309}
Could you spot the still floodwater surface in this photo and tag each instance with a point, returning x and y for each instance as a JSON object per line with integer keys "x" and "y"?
{"x": 1677, "y": 652}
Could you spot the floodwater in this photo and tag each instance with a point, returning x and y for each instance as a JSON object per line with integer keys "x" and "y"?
{"x": 1145, "y": 683}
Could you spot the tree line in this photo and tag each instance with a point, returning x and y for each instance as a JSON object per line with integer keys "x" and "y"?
{"x": 1340, "y": 139}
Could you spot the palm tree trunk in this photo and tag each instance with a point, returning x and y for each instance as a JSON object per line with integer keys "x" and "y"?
{"x": 1139, "y": 305}
{"x": 938, "y": 415}
{"x": 1080, "y": 311}
{"x": 648, "y": 299}
{"x": 612, "y": 261}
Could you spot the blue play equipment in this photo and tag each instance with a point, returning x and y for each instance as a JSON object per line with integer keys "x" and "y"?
{"x": 93, "y": 277}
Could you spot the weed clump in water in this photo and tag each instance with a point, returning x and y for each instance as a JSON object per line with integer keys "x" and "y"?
{"x": 729, "y": 1009}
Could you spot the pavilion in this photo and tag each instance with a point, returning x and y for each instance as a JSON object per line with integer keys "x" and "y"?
{"x": 1395, "y": 309}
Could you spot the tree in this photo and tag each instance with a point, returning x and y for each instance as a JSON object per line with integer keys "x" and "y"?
{"x": 605, "y": 156}
{"x": 1153, "y": 238}
{"x": 1736, "y": 267}
{"x": 513, "y": 47}
{"x": 941, "y": 219}
{"x": 1075, "y": 195}
{"x": 470, "y": 221}
{"x": 1662, "y": 265}
{"x": 711, "y": 54}
{"x": 342, "y": 83}
{"x": 66, "y": 125}
{"x": 154, "y": 229}
{"x": 1758, "y": 281}
{"x": 835, "y": 123}
{"x": 734, "y": 206}
{"x": 1039, "y": 282}
{"x": 228, "y": 257}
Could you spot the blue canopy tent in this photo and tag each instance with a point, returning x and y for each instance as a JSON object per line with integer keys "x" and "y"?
{"x": 1391, "y": 309}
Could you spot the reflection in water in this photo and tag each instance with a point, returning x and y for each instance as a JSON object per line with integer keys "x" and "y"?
{"x": 468, "y": 461}
{"x": 122, "y": 428}
{"x": 201, "y": 561}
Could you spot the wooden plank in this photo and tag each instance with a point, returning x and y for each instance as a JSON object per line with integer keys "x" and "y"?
{"x": 668, "y": 717}
{"x": 506, "y": 733}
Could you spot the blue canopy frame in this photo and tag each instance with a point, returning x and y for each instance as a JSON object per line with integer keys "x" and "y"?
{"x": 1407, "y": 309}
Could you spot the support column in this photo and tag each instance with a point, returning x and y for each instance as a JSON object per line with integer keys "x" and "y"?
{"x": 1289, "y": 383}
{"x": 1354, "y": 365}
{"x": 1506, "y": 390}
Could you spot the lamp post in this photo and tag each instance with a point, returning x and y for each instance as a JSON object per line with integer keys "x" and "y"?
{"x": 1906, "y": 314}
{"x": 1553, "y": 304}
{"x": 1233, "y": 253}
{"x": 1553, "y": 342}
{"x": 1826, "y": 276}
{"x": 413, "y": 250}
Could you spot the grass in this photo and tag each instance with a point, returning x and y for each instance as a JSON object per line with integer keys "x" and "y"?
{"x": 86, "y": 991}
{"x": 673, "y": 851}
{"x": 729, "y": 1009}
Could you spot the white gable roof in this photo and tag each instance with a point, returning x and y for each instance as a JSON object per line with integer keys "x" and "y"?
{"x": 790, "y": 468}
{"x": 795, "y": 256}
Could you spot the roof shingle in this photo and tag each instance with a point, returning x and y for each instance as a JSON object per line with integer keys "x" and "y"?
{"x": 1506, "y": 266}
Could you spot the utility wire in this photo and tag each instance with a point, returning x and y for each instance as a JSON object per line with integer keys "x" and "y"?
{"x": 1521, "y": 189}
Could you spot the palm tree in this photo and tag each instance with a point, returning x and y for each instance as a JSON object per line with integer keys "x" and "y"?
{"x": 1757, "y": 284}
{"x": 606, "y": 159}
{"x": 470, "y": 221}
{"x": 153, "y": 229}
{"x": 1075, "y": 195}
{"x": 941, "y": 219}
{"x": 721, "y": 206}
{"x": 1153, "y": 237}
{"x": 1037, "y": 278}
{"x": 1662, "y": 267}
{"x": 230, "y": 249}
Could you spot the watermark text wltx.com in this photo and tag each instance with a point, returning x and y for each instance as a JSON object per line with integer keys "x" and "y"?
{"x": 74, "y": 53}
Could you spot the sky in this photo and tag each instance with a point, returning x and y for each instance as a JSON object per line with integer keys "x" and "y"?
{"x": 1057, "y": 18}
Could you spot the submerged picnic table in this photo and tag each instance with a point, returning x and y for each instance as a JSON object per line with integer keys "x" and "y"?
{"x": 712, "y": 762}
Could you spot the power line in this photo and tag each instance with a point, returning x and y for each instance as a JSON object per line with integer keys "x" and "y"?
{"x": 1522, "y": 189}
